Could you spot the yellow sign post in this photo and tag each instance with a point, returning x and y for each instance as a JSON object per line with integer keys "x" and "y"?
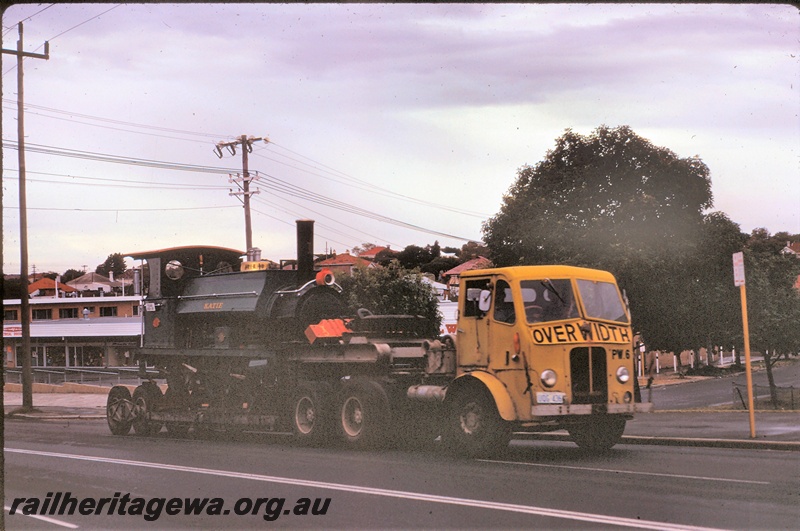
{"x": 738, "y": 280}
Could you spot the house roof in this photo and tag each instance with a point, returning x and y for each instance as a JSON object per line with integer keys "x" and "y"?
{"x": 480, "y": 262}
{"x": 792, "y": 247}
{"x": 49, "y": 283}
{"x": 93, "y": 278}
{"x": 371, "y": 254}
{"x": 344, "y": 259}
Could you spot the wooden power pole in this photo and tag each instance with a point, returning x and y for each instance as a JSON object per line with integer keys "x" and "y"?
{"x": 25, "y": 318}
{"x": 244, "y": 182}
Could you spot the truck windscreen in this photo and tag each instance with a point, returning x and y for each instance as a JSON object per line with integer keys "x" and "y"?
{"x": 601, "y": 300}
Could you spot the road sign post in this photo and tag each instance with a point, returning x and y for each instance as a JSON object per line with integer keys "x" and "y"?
{"x": 738, "y": 280}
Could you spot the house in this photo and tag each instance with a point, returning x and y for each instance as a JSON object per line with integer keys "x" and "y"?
{"x": 95, "y": 283}
{"x": 451, "y": 275}
{"x": 344, "y": 263}
{"x": 792, "y": 248}
{"x": 47, "y": 287}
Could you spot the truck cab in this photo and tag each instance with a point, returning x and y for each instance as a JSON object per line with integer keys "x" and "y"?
{"x": 551, "y": 346}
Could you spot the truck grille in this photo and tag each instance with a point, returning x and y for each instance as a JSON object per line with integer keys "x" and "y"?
{"x": 588, "y": 372}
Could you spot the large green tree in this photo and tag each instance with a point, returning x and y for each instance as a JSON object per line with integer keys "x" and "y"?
{"x": 613, "y": 200}
{"x": 115, "y": 262}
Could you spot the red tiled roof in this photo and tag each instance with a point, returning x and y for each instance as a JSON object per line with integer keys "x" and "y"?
{"x": 344, "y": 259}
{"x": 476, "y": 263}
{"x": 49, "y": 283}
{"x": 372, "y": 253}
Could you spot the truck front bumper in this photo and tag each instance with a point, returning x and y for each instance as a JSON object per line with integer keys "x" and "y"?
{"x": 552, "y": 410}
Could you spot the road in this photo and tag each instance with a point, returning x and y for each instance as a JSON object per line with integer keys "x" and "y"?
{"x": 536, "y": 484}
{"x": 716, "y": 391}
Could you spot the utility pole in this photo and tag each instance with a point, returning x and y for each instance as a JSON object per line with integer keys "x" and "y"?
{"x": 25, "y": 318}
{"x": 247, "y": 147}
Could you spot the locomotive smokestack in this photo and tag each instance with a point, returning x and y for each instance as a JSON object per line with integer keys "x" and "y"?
{"x": 305, "y": 250}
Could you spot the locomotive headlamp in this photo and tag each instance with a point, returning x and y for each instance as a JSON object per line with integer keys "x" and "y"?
{"x": 623, "y": 375}
{"x": 325, "y": 278}
{"x": 548, "y": 378}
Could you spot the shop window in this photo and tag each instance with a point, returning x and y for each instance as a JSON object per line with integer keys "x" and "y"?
{"x": 68, "y": 313}
{"x": 40, "y": 314}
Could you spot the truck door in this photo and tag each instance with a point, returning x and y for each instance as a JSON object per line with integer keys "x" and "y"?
{"x": 473, "y": 325}
{"x": 507, "y": 361}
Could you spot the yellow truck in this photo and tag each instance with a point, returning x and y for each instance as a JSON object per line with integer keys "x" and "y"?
{"x": 540, "y": 348}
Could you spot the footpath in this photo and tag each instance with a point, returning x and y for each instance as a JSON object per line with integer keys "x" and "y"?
{"x": 775, "y": 430}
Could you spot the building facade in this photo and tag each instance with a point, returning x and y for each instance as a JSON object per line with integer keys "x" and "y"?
{"x": 74, "y": 331}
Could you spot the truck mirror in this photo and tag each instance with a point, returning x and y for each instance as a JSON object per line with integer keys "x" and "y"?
{"x": 485, "y": 300}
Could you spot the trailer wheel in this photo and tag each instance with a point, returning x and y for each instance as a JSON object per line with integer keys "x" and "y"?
{"x": 146, "y": 399}
{"x": 598, "y": 434}
{"x": 473, "y": 426}
{"x": 119, "y": 410}
{"x": 311, "y": 418}
{"x": 363, "y": 413}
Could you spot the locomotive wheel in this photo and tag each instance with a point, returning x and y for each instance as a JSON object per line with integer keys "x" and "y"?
{"x": 119, "y": 410}
{"x": 363, "y": 413}
{"x": 146, "y": 398}
{"x": 473, "y": 426}
{"x": 311, "y": 415}
{"x": 176, "y": 400}
{"x": 598, "y": 434}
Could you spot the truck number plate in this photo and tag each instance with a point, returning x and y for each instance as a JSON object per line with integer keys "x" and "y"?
{"x": 550, "y": 398}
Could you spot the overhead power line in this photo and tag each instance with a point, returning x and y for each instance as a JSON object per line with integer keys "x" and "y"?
{"x": 274, "y": 183}
{"x": 310, "y": 166}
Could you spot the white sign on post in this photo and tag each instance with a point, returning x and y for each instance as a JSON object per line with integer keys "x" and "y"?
{"x": 738, "y": 269}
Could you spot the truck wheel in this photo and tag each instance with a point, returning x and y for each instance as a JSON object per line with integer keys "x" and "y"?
{"x": 473, "y": 426}
{"x": 363, "y": 413}
{"x": 119, "y": 410}
{"x": 146, "y": 399}
{"x": 598, "y": 434}
{"x": 311, "y": 418}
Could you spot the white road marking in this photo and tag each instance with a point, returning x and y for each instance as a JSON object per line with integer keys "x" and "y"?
{"x": 45, "y": 518}
{"x": 635, "y": 472}
{"x": 406, "y": 495}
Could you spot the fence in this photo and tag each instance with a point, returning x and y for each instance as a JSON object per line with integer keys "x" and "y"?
{"x": 59, "y": 375}
{"x": 788, "y": 397}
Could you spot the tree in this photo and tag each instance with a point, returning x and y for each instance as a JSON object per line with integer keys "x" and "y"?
{"x": 601, "y": 197}
{"x": 612, "y": 200}
{"x": 773, "y": 302}
{"x": 13, "y": 287}
{"x": 70, "y": 275}
{"x": 471, "y": 250}
{"x": 392, "y": 290}
{"x": 439, "y": 265}
{"x": 115, "y": 262}
{"x": 364, "y": 247}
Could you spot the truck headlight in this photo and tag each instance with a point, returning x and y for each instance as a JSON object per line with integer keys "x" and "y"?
{"x": 623, "y": 375}
{"x": 548, "y": 378}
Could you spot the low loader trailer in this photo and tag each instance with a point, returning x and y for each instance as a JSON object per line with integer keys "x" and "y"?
{"x": 536, "y": 349}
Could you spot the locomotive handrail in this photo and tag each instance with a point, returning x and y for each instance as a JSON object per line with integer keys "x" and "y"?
{"x": 219, "y": 295}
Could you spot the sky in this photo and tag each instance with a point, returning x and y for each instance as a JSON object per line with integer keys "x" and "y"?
{"x": 387, "y": 124}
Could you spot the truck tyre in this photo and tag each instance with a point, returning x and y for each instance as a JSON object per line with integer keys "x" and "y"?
{"x": 146, "y": 399}
{"x": 363, "y": 413}
{"x": 311, "y": 413}
{"x": 473, "y": 426}
{"x": 119, "y": 410}
{"x": 598, "y": 434}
